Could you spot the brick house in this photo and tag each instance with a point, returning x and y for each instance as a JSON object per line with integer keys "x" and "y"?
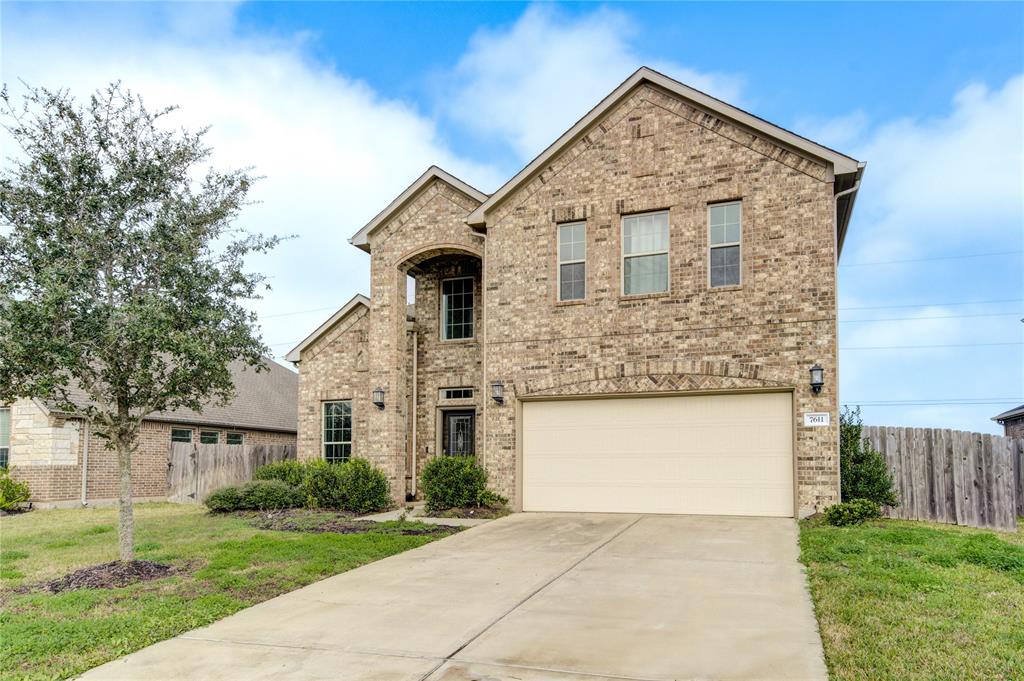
{"x": 63, "y": 466}
{"x": 1012, "y": 422}
{"x": 628, "y": 324}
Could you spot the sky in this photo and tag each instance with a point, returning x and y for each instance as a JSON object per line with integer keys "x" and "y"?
{"x": 340, "y": 106}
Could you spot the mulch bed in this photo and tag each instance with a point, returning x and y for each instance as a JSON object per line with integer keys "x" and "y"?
{"x": 300, "y": 520}
{"x": 111, "y": 575}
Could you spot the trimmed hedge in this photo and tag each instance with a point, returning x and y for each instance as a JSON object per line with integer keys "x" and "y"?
{"x": 258, "y": 495}
{"x": 356, "y": 486}
{"x": 291, "y": 472}
{"x": 852, "y": 512}
{"x": 455, "y": 482}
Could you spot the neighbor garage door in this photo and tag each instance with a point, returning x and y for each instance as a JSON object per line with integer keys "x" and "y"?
{"x": 703, "y": 454}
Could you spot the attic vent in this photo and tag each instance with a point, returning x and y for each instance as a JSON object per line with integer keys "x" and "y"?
{"x": 456, "y": 393}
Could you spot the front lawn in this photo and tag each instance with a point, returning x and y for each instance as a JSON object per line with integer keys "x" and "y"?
{"x": 224, "y": 563}
{"x": 911, "y": 600}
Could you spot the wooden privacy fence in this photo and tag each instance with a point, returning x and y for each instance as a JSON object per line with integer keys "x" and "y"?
{"x": 195, "y": 470}
{"x": 952, "y": 476}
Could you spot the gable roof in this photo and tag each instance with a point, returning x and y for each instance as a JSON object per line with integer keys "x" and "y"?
{"x": 357, "y": 301}
{"x": 265, "y": 400}
{"x": 1017, "y": 412}
{"x": 359, "y": 239}
{"x": 842, "y": 164}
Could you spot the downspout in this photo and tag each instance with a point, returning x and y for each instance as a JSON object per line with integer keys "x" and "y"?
{"x": 85, "y": 462}
{"x": 415, "y": 415}
{"x": 484, "y": 388}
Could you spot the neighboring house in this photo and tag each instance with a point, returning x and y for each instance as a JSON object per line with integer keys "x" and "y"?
{"x": 1012, "y": 422}
{"x": 628, "y": 324}
{"x": 46, "y": 448}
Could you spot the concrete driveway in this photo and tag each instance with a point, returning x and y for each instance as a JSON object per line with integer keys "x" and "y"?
{"x": 532, "y": 596}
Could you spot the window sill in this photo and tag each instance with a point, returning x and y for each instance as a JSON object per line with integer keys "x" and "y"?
{"x": 643, "y": 296}
{"x": 570, "y": 303}
{"x": 458, "y": 341}
{"x": 725, "y": 289}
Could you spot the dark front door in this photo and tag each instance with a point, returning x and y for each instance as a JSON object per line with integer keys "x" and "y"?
{"x": 459, "y": 436}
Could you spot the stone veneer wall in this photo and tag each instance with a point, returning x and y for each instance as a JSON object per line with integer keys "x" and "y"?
{"x": 653, "y": 152}
{"x": 53, "y": 471}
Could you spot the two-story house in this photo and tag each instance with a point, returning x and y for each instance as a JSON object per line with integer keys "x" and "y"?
{"x": 627, "y": 325}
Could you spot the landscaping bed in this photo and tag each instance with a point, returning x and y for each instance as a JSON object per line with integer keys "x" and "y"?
{"x": 918, "y": 601}
{"x": 472, "y": 512}
{"x": 65, "y": 607}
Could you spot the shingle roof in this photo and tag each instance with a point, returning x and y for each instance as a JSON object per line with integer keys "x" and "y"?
{"x": 267, "y": 400}
{"x": 1013, "y": 413}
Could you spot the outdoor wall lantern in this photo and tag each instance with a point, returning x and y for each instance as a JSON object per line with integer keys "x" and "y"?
{"x": 378, "y": 397}
{"x": 498, "y": 392}
{"x": 817, "y": 378}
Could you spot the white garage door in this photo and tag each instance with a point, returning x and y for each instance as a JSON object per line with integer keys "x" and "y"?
{"x": 702, "y": 454}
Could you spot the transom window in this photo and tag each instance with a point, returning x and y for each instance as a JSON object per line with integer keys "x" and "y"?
{"x": 234, "y": 439}
{"x": 5, "y": 436}
{"x": 724, "y": 240}
{"x": 645, "y": 253}
{"x": 181, "y": 435}
{"x": 456, "y": 393}
{"x": 337, "y": 430}
{"x": 572, "y": 261}
{"x": 457, "y": 308}
{"x": 209, "y": 437}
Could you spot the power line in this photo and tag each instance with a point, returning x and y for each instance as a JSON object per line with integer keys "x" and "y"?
{"x": 929, "y": 404}
{"x": 915, "y": 347}
{"x": 962, "y": 302}
{"x": 938, "y": 257}
{"x": 914, "y": 319}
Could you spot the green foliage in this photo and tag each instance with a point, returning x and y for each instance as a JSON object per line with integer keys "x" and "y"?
{"x": 13, "y": 492}
{"x": 321, "y": 486}
{"x": 224, "y": 499}
{"x": 122, "y": 274}
{"x": 364, "y": 488}
{"x": 258, "y": 495}
{"x": 862, "y": 470}
{"x": 457, "y": 481}
{"x": 852, "y": 512}
{"x": 291, "y": 472}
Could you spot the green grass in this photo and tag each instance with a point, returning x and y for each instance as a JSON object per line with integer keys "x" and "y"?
{"x": 909, "y": 600}
{"x": 228, "y": 564}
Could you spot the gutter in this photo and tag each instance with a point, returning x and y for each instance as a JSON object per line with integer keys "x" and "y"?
{"x": 85, "y": 460}
{"x": 415, "y": 415}
{"x": 852, "y": 192}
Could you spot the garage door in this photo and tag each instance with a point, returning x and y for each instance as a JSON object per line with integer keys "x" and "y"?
{"x": 701, "y": 454}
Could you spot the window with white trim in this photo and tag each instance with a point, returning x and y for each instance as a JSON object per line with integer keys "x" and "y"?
{"x": 209, "y": 437}
{"x": 456, "y": 393}
{"x": 234, "y": 439}
{"x": 645, "y": 253}
{"x": 181, "y": 435}
{"x": 724, "y": 242}
{"x": 337, "y": 430}
{"x": 572, "y": 261}
{"x": 457, "y": 308}
{"x": 5, "y": 436}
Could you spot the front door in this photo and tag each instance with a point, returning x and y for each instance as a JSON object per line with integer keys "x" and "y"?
{"x": 459, "y": 436}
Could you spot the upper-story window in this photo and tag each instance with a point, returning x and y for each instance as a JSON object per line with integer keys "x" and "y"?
{"x": 645, "y": 253}
{"x": 457, "y": 308}
{"x": 181, "y": 435}
{"x": 209, "y": 437}
{"x": 572, "y": 261}
{"x": 724, "y": 241}
{"x": 5, "y": 436}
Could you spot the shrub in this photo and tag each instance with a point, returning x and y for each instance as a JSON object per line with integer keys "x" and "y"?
{"x": 455, "y": 481}
{"x": 862, "y": 470}
{"x": 265, "y": 495}
{"x": 224, "y": 499}
{"x": 321, "y": 487}
{"x": 852, "y": 512}
{"x": 12, "y": 492}
{"x": 292, "y": 472}
{"x": 364, "y": 488}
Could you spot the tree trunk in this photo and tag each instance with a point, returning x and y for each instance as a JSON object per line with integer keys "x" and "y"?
{"x": 125, "y": 517}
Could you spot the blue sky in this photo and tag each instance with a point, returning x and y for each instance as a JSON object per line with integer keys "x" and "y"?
{"x": 340, "y": 106}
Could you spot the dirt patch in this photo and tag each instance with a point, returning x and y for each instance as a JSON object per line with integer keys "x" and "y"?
{"x": 111, "y": 575}
{"x": 301, "y": 520}
{"x": 473, "y": 512}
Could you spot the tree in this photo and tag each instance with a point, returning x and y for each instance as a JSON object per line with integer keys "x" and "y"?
{"x": 862, "y": 471}
{"x": 121, "y": 274}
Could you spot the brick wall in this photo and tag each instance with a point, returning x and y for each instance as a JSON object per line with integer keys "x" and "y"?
{"x": 1014, "y": 427}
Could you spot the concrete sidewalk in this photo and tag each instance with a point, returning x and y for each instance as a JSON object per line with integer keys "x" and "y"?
{"x": 530, "y": 596}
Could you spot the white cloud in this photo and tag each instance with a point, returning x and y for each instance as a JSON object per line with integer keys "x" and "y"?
{"x": 530, "y": 82}
{"x": 333, "y": 150}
